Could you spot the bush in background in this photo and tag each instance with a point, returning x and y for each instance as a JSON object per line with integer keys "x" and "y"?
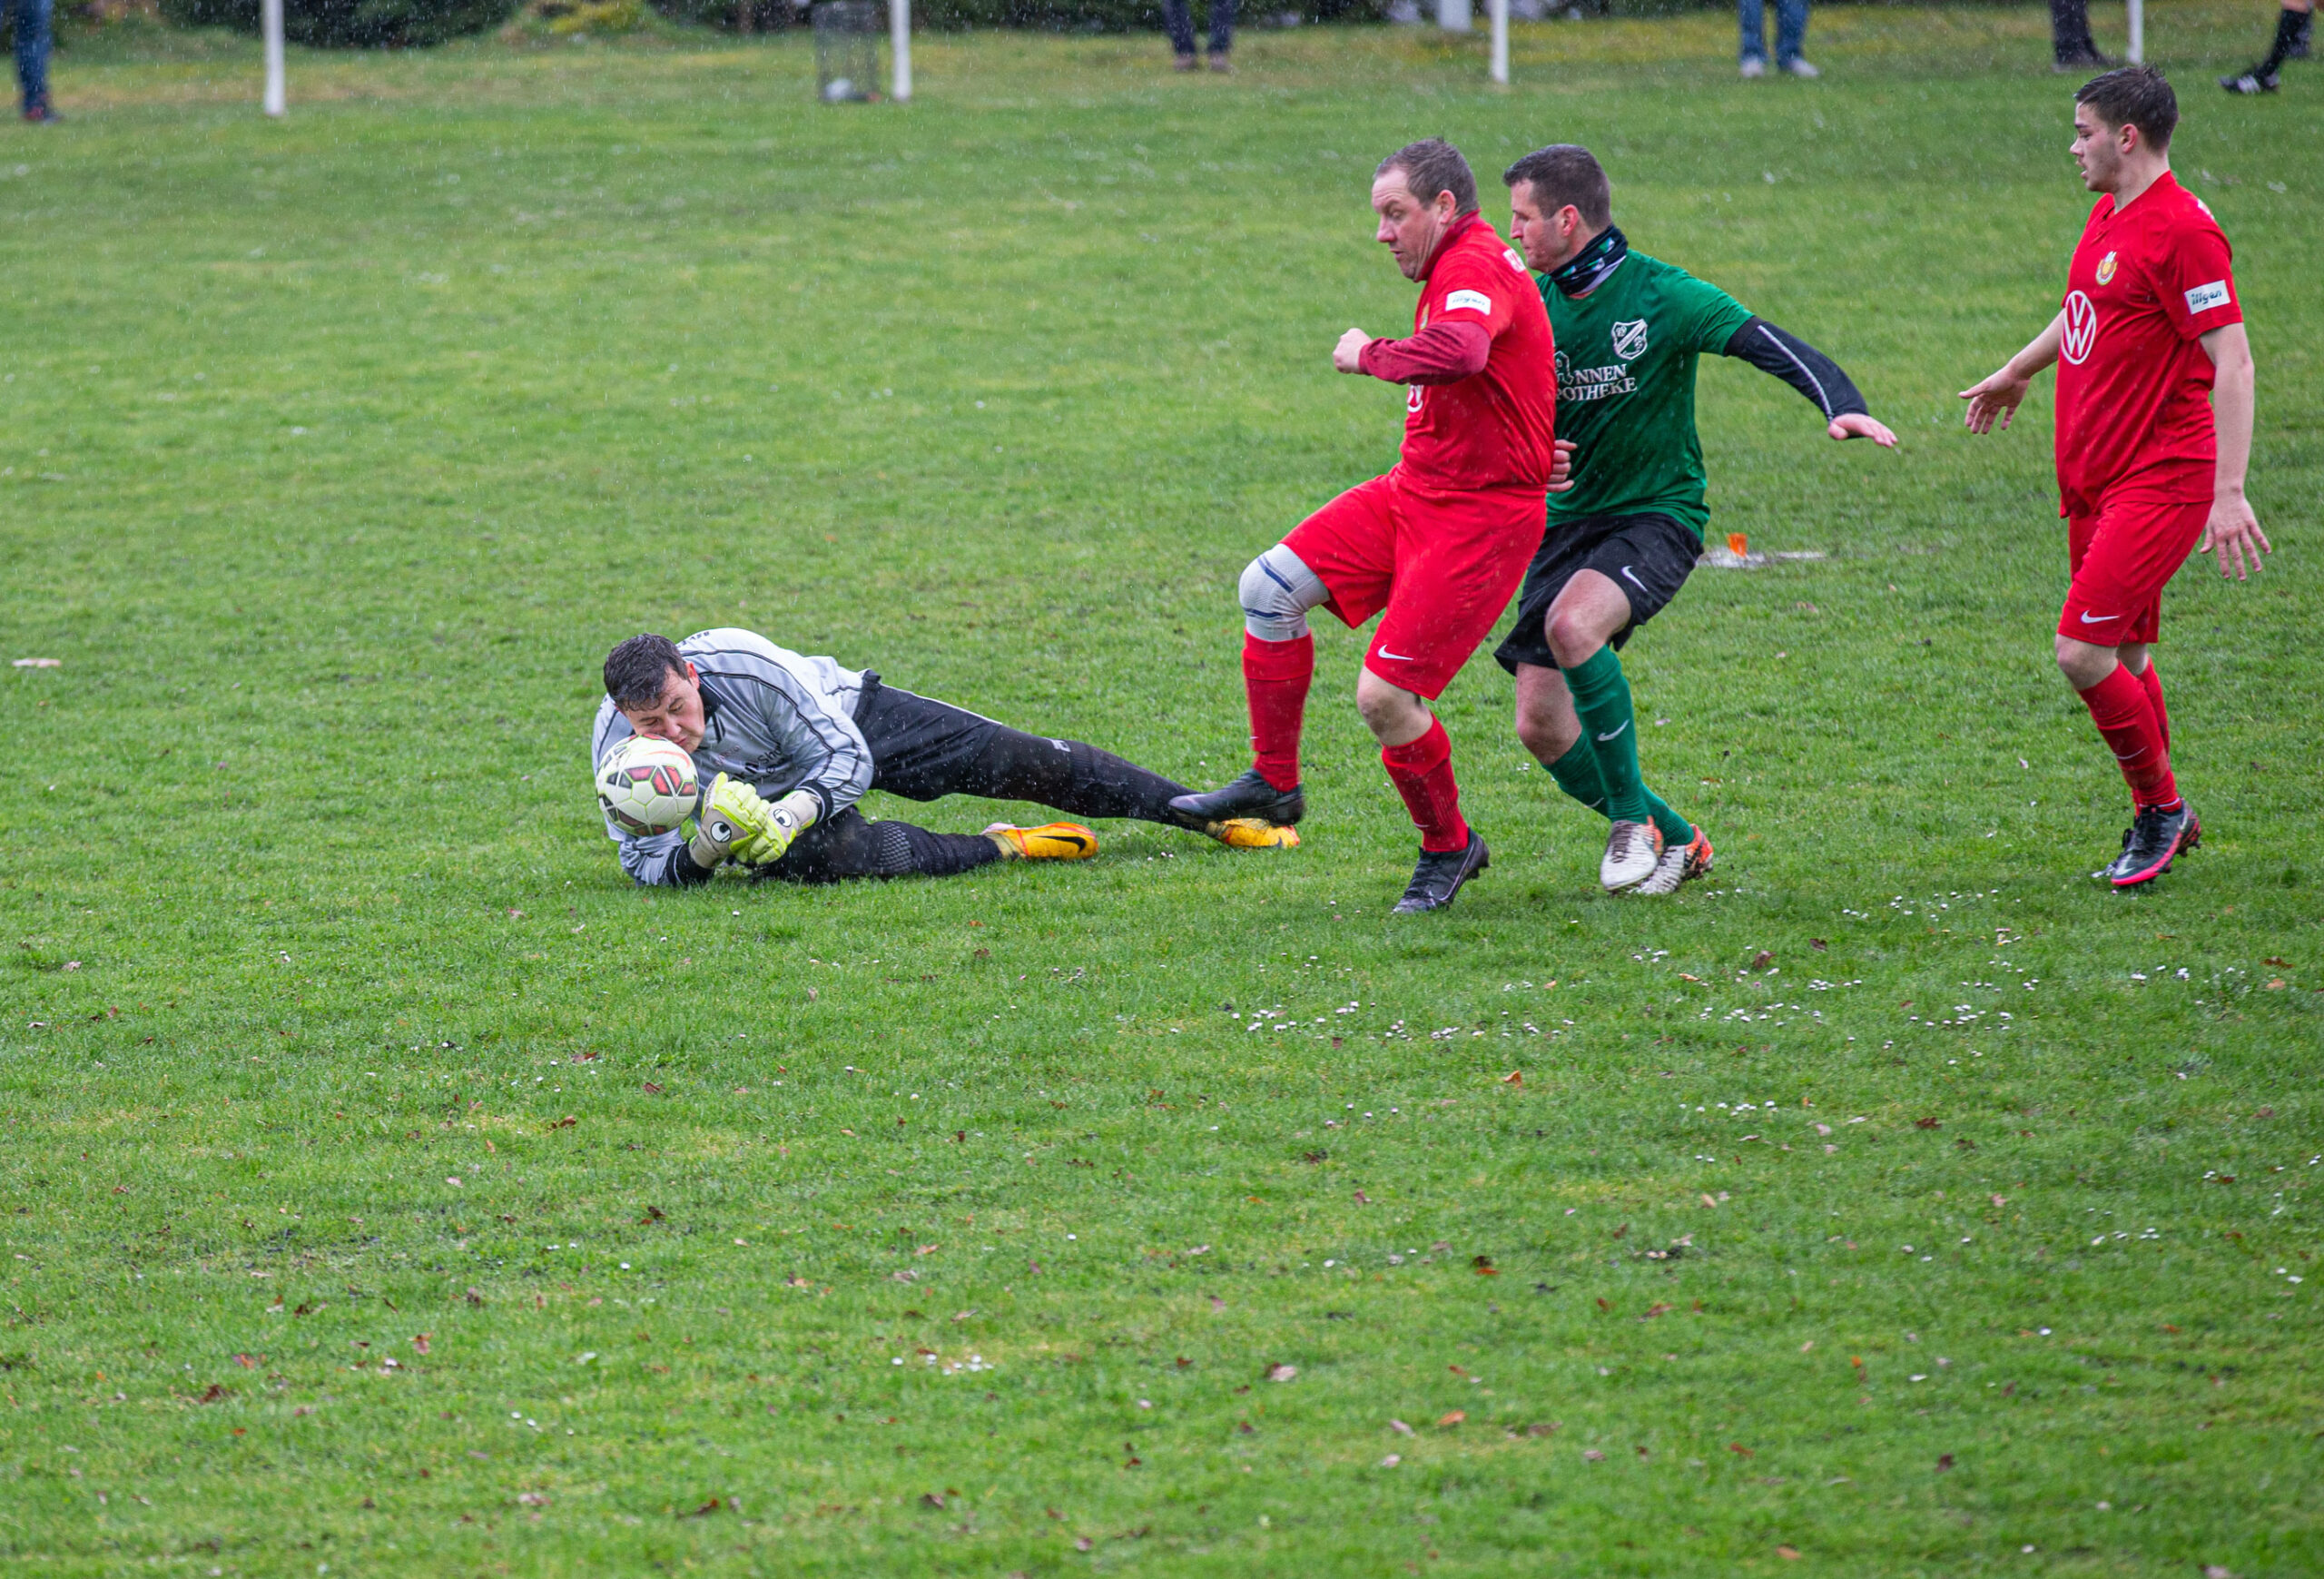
{"x": 1044, "y": 16}
{"x": 351, "y": 24}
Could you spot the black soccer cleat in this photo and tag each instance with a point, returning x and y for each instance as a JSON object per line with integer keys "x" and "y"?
{"x": 1440, "y": 874}
{"x": 2255, "y": 80}
{"x": 1248, "y": 797}
{"x": 2156, "y": 840}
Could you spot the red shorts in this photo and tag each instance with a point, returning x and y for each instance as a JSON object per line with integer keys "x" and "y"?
{"x": 2123, "y": 554}
{"x": 1444, "y": 566}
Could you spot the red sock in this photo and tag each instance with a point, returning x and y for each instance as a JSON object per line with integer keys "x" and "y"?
{"x": 2153, "y": 681}
{"x": 2118, "y": 706}
{"x": 1421, "y": 771}
{"x": 1275, "y": 679}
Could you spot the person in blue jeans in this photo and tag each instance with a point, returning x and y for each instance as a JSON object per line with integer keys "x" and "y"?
{"x": 1791, "y": 31}
{"x": 1177, "y": 18}
{"x": 31, "y": 22}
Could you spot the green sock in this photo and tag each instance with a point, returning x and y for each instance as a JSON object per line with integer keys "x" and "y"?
{"x": 1577, "y": 774}
{"x": 1677, "y": 832}
{"x": 1601, "y": 696}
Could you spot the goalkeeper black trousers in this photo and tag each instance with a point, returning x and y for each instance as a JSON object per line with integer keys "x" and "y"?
{"x": 924, "y": 750}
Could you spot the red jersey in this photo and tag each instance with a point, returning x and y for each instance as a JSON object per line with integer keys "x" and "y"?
{"x": 2134, "y": 385}
{"x": 1493, "y": 427}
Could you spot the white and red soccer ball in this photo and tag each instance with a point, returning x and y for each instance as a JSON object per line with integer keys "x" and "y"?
{"x": 648, "y": 786}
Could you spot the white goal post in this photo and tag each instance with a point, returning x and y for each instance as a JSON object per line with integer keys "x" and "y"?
{"x": 900, "y": 49}
{"x": 270, "y": 26}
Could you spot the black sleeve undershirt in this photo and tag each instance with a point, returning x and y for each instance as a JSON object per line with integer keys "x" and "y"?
{"x": 684, "y": 872}
{"x": 1798, "y": 364}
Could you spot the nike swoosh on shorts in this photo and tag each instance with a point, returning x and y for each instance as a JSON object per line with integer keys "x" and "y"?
{"x": 2095, "y": 619}
{"x": 1634, "y": 581}
{"x": 1400, "y": 657}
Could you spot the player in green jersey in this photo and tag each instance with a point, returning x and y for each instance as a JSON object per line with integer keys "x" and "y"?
{"x": 1626, "y": 530}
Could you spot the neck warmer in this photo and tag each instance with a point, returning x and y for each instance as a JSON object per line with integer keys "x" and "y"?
{"x": 1581, "y": 274}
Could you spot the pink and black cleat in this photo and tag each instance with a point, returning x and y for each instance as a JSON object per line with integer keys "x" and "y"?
{"x": 2155, "y": 840}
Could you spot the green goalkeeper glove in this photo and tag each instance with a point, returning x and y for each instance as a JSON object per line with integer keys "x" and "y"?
{"x": 737, "y": 823}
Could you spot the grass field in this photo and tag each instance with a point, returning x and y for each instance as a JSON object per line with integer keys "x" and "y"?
{"x": 388, "y": 1188}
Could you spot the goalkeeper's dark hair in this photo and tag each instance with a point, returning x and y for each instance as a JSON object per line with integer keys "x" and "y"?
{"x": 1433, "y": 165}
{"x": 2133, "y": 96}
{"x": 1563, "y": 175}
{"x": 638, "y": 671}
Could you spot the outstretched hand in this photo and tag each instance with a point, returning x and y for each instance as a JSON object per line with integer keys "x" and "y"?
{"x": 1859, "y": 425}
{"x": 2233, "y": 533}
{"x": 1995, "y": 396}
{"x": 1562, "y": 464}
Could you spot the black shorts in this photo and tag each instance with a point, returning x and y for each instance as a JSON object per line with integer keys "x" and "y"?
{"x": 1650, "y": 558}
{"x": 923, "y": 749}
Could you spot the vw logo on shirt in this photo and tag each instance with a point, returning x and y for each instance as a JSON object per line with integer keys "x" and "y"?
{"x": 2081, "y": 328}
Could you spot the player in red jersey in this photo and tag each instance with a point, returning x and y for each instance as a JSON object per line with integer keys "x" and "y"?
{"x": 1440, "y": 543}
{"x": 2154, "y": 432}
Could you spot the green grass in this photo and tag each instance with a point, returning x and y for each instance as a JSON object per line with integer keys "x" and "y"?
{"x": 336, "y": 453}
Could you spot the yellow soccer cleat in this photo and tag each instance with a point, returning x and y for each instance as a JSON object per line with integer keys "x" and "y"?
{"x": 1050, "y": 841}
{"x": 1253, "y": 833}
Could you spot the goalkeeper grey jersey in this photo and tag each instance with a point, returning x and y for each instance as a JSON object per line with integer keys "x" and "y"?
{"x": 778, "y": 721}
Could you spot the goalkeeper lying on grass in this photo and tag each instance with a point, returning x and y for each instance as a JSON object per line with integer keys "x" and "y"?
{"x": 794, "y": 743}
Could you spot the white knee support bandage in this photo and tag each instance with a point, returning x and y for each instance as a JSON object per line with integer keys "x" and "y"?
{"x": 1278, "y": 590}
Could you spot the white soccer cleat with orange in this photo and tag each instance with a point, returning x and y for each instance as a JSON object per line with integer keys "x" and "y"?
{"x": 1050, "y": 841}
{"x": 1679, "y": 863}
{"x": 1632, "y": 852}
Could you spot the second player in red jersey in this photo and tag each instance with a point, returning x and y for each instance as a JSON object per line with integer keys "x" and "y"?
{"x": 2153, "y": 434}
{"x": 1438, "y": 545}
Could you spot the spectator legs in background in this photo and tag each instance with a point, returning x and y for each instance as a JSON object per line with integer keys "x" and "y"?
{"x": 2292, "y": 25}
{"x": 32, "y": 19}
{"x": 1177, "y": 17}
{"x": 1178, "y": 20}
{"x": 1752, "y": 17}
{"x": 1222, "y": 33}
{"x": 2070, "y": 46}
{"x": 1791, "y": 32}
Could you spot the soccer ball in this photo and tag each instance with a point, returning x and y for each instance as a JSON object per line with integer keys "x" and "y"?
{"x": 648, "y": 786}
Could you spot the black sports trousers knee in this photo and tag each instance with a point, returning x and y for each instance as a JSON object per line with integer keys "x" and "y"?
{"x": 924, "y": 750}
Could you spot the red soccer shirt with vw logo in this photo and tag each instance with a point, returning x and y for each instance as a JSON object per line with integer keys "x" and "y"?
{"x": 2134, "y": 385}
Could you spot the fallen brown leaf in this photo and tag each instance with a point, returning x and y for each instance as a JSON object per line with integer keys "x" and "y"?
{"x": 1282, "y": 1373}
{"x": 1445, "y": 1422}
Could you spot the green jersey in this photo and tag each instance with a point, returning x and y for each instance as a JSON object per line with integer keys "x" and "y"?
{"x": 1626, "y": 358}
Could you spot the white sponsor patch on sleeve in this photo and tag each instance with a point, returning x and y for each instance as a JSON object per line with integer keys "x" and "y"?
{"x": 1480, "y": 302}
{"x": 2202, "y": 298}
